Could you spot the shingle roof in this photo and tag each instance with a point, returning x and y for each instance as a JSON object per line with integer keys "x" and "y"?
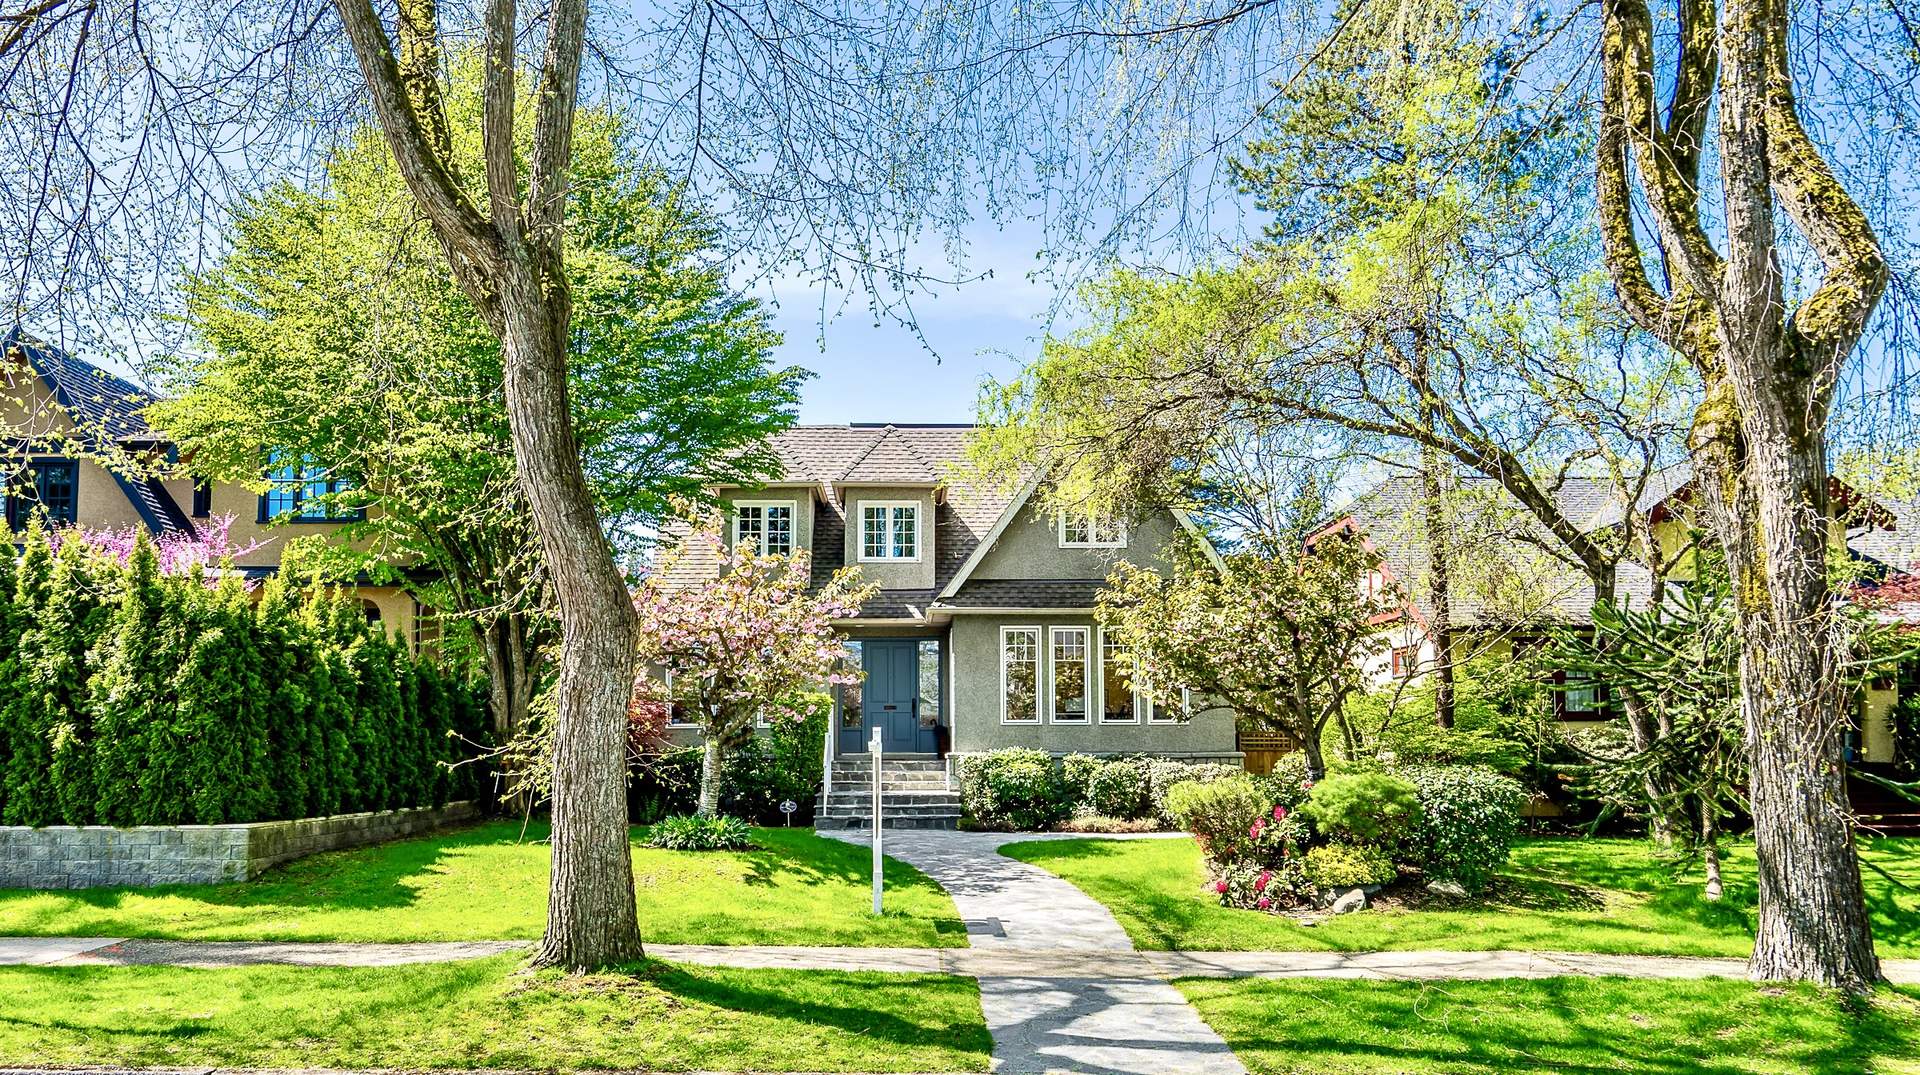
{"x": 1898, "y": 549}
{"x": 1026, "y": 593}
{"x": 100, "y": 403}
{"x": 885, "y": 454}
{"x": 1501, "y": 570}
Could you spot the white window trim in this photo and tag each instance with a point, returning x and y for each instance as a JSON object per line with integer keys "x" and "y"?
{"x": 1186, "y": 711}
{"x": 1039, "y": 677}
{"x": 919, "y": 526}
{"x": 793, "y": 519}
{"x": 1086, "y": 673}
{"x": 1060, "y": 528}
{"x": 1141, "y": 703}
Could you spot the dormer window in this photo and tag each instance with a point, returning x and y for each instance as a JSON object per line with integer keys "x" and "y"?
{"x": 766, "y": 523}
{"x": 1087, "y": 530}
{"x": 305, "y": 492}
{"x": 889, "y": 530}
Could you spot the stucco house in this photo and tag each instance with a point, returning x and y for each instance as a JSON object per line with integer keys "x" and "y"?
{"x": 982, "y": 635}
{"x": 80, "y": 453}
{"x": 1506, "y": 590}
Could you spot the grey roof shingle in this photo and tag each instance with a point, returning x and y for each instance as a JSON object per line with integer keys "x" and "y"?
{"x": 99, "y": 403}
{"x": 903, "y": 454}
{"x": 1026, "y": 593}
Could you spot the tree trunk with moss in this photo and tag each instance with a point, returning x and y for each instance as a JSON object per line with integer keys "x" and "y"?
{"x": 1759, "y": 438}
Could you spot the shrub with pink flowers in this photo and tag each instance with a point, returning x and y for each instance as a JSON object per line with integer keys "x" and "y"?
{"x": 1275, "y": 842}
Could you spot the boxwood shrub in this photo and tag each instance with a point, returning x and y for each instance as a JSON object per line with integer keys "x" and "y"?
{"x": 1017, "y": 789}
{"x": 1469, "y": 817}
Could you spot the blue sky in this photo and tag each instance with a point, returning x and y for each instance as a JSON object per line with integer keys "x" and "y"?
{"x": 868, "y": 372}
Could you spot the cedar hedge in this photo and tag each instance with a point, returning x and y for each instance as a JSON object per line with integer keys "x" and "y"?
{"x": 132, "y": 697}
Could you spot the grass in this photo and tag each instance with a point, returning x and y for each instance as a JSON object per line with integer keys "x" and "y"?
{"x": 1329, "y": 1026}
{"x": 484, "y": 883}
{"x": 1614, "y": 896}
{"x": 481, "y": 1013}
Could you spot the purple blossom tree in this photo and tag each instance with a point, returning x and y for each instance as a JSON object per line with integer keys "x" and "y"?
{"x": 742, "y": 647}
{"x": 204, "y": 552}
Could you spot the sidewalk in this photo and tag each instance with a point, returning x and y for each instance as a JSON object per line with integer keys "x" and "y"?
{"x": 1066, "y": 964}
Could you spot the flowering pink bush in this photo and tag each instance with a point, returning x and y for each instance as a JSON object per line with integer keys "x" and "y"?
{"x": 745, "y": 646}
{"x": 200, "y": 553}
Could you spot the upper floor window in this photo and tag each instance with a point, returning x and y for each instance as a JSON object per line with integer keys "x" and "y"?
{"x": 202, "y": 498}
{"x": 1405, "y": 660}
{"x": 890, "y": 531}
{"x": 1085, "y": 530}
{"x": 49, "y": 485}
{"x": 305, "y": 492}
{"x": 766, "y": 523}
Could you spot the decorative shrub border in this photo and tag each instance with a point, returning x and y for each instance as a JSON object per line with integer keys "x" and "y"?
{"x": 86, "y": 856}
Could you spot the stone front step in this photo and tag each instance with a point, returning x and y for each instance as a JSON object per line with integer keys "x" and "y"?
{"x": 913, "y": 794}
{"x": 831, "y": 823}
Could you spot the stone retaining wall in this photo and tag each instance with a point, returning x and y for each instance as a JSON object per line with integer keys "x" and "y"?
{"x": 85, "y": 856}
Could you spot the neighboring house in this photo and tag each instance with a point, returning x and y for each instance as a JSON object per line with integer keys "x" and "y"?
{"x": 76, "y": 435}
{"x": 1506, "y": 590}
{"x": 983, "y": 634}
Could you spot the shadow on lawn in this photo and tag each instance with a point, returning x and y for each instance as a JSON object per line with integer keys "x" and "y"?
{"x": 781, "y": 1000}
{"x": 1565, "y": 1026}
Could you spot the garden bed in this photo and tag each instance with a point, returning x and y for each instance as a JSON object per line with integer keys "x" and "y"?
{"x": 1575, "y": 895}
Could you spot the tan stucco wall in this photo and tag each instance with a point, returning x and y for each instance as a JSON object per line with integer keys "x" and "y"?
{"x": 892, "y": 574}
{"x": 974, "y": 684}
{"x": 1030, "y": 549}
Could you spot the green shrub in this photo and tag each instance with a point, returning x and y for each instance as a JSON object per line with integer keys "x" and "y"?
{"x": 782, "y": 762}
{"x": 1118, "y": 789}
{"x": 1228, "y": 818}
{"x": 1018, "y": 790}
{"x": 132, "y": 697}
{"x": 1469, "y": 817}
{"x": 1288, "y": 784}
{"x": 1164, "y": 773}
{"x": 1076, "y": 778}
{"x": 1375, "y": 809}
{"x": 690, "y": 832}
{"x": 1347, "y": 866}
{"x": 1257, "y": 887}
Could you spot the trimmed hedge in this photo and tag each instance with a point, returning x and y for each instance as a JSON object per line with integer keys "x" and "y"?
{"x": 130, "y": 697}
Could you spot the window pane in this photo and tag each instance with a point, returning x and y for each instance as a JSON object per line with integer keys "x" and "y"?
{"x": 904, "y": 533}
{"x": 1108, "y": 531}
{"x": 1117, "y": 704}
{"x": 1070, "y": 675}
{"x": 1020, "y": 674}
{"x": 873, "y": 533}
{"x": 778, "y": 537}
{"x": 748, "y": 527}
{"x": 929, "y": 682}
{"x": 1078, "y": 530}
{"x": 851, "y": 694}
{"x": 56, "y": 482}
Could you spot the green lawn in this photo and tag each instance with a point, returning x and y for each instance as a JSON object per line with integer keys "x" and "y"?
{"x": 1330, "y": 1026}
{"x": 482, "y": 1013}
{"x": 1567, "y": 895}
{"x": 484, "y": 883}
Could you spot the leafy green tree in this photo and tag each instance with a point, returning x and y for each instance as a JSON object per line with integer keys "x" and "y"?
{"x": 1280, "y": 639}
{"x": 334, "y": 332}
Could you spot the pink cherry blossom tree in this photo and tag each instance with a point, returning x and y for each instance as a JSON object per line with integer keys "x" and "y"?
{"x": 741, "y": 648}
{"x": 207, "y": 552}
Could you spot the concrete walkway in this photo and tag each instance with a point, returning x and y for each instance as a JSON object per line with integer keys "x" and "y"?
{"x": 1117, "y": 1016}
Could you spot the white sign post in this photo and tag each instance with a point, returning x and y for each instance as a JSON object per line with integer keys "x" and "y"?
{"x": 873, "y": 749}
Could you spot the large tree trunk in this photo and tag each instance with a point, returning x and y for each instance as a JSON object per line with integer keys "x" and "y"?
{"x": 511, "y": 677}
{"x": 591, "y": 920}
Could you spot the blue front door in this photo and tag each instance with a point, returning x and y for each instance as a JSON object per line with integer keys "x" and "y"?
{"x": 890, "y": 698}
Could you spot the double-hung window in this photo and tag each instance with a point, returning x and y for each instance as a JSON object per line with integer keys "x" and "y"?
{"x": 766, "y": 523}
{"x": 48, "y": 485}
{"x": 889, "y": 530}
{"x": 1019, "y": 675}
{"x": 1086, "y": 530}
{"x": 1119, "y": 703}
{"x": 1070, "y": 674}
{"x": 304, "y": 491}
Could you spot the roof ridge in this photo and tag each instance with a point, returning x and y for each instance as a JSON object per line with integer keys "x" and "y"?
{"x": 862, "y": 457}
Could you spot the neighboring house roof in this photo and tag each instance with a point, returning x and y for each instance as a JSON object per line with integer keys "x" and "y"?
{"x": 105, "y": 410}
{"x": 1501, "y": 544}
{"x": 100, "y": 404}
